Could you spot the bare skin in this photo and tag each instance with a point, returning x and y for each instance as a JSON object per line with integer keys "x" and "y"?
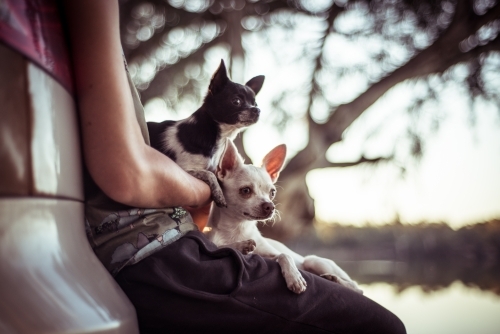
{"x": 123, "y": 166}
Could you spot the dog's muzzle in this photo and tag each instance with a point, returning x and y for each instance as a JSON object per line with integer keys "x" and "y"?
{"x": 250, "y": 116}
{"x": 255, "y": 111}
{"x": 267, "y": 208}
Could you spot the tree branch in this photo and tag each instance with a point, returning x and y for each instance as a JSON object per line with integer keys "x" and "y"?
{"x": 314, "y": 153}
{"x": 362, "y": 160}
{"x": 158, "y": 84}
{"x": 145, "y": 48}
{"x": 493, "y": 45}
{"x": 437, "y": 58}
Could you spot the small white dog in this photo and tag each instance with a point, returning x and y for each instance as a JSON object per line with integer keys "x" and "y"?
{"x": 249, "y": 192}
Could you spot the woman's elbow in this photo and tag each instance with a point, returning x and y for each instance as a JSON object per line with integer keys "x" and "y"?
{"x": 123, "y": 192}
{"x": 121, "y": 184}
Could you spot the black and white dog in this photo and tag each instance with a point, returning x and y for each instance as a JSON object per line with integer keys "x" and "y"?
{"x": 197, "y": 142}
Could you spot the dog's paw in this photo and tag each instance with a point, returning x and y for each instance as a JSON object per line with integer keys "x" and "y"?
{"x": 210, "y": 179}
{"x": 247, "y": 246}
{"x": 293, "y": 277}
{"x": 330, "y": 277}
{"x": 219, "y": 199}
{"x": 295, "y": 282}
{"x": 347, "y": 283}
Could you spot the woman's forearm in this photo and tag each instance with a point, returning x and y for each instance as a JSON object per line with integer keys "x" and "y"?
{"x": 159, "y": 182}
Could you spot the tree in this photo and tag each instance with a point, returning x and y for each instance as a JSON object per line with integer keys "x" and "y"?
{"x": 164, "y": 40}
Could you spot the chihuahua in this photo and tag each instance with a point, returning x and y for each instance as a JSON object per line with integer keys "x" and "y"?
{"x": 249, "y": 192}
{"x": 196, "y": 143}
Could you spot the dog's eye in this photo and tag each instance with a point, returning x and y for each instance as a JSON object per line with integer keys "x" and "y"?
{"x": 245, "y": 191}
{"x": 237, "y": 102}
{"x": 272, "y": 193}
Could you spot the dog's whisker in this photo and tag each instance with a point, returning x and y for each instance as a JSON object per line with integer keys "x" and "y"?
{"x": 273, "y": 219}
{"x": 276, "y": 217}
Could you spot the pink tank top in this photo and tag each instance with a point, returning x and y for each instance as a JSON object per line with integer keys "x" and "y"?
{"x": 34, "y": 29}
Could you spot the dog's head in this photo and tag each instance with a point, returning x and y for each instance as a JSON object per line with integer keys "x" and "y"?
{"x": 250, "y": 190}
{"x": 230, "y": 103}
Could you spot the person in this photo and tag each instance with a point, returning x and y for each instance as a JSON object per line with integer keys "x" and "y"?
{"x": 177, "y": 280}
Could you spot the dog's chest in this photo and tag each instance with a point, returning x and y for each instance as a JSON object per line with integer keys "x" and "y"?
{"x": 226, "y": 232}
{"x": 188, "y": 160}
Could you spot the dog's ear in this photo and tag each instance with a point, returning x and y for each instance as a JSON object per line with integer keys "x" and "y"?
{"x": 274, "y": 160}
{"x": 229, "y": 161}
{"x": 256, "y": 83}
{"x": 219, "y": 79}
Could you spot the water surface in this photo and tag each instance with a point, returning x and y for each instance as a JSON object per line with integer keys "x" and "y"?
{"x": 457, "y": 309}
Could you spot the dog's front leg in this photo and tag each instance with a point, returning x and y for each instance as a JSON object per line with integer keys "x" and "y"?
{"x": 293, "y": 277}
{"x": 210, "y": 179}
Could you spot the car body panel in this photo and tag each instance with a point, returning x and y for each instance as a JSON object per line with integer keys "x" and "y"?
{"x": 50, "y": 279}
{"x": 51, "y": 282}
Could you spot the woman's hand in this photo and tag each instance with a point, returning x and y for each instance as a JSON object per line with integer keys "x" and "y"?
{"x": 200, "y": 214}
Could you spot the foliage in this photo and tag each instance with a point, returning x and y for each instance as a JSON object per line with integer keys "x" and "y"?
{"x": 166, "y": 42}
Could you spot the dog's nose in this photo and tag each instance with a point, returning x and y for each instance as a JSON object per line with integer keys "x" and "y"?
{"x": 255, "y": 110}
{"x": 267, "y": 207}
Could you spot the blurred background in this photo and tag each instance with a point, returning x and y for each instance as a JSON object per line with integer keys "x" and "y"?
{"x": 391, "y": 113}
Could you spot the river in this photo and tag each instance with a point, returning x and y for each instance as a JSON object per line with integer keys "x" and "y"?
{"x": 456, "y": 309}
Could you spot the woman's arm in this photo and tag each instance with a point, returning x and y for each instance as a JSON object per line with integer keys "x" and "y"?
{"x": 123, "y": 166}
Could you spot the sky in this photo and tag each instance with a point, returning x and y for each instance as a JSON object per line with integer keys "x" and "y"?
{"x": 457, "y": 180}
